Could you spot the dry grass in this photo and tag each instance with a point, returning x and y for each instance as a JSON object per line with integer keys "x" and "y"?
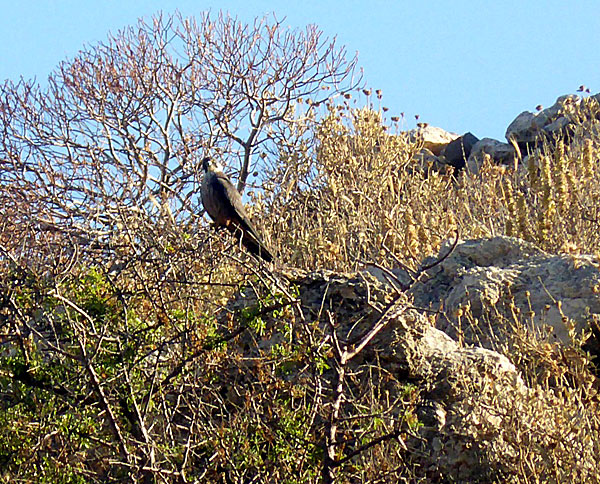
{"x": 555, "y": 202}
{"x": 360, "y": 196}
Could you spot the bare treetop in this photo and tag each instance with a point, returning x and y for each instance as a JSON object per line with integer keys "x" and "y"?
{"x": 121, "y": 128}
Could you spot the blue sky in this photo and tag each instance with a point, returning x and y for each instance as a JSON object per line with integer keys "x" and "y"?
{"x": 461, "y": 65}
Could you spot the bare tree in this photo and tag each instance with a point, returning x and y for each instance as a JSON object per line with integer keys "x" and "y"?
{"x": 119, "y": 129}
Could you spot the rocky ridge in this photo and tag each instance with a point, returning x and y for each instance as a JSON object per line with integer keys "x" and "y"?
{"x": 444, "y": 150}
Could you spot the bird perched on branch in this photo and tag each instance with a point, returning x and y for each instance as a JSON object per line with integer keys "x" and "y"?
{"x": 224, "y": 205}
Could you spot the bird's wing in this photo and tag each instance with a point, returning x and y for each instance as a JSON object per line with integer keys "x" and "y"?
{"x": 224, "y": 204}
{"x": 231, "y": 205}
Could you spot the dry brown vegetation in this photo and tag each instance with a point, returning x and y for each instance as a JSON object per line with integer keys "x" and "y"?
{"x": 360, "y": 196}
{"x": 138, "y": 345}
{"x": 368, "y": 203}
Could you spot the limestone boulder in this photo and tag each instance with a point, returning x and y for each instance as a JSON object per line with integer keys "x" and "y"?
{"x": 529, "y": 130}
{"x": 492, "y": 276}
{"x": 500, "y": 153}
{"x": 467, "y": 398}
{"x": 433, "y": 138}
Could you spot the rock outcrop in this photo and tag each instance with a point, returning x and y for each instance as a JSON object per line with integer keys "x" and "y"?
{"x": 561, "y": 292}
{"x": 530, "y": 130}
{"x": 444, "y": 371}
{"x": 527, "y": 132}
{"x": 470, "y": 397}
{"x": 475, "y": 411}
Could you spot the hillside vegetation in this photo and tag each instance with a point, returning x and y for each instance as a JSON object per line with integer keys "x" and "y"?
{"x": 151, "y": 348}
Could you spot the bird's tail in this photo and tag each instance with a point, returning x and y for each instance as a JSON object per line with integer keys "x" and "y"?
{"x": 256, "y": 247}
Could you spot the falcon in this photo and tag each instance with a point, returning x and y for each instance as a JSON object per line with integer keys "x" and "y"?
{"x": 224, "y": 205}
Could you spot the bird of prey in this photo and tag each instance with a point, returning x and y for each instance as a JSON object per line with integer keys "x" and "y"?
{"x": 224, "y": 205}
